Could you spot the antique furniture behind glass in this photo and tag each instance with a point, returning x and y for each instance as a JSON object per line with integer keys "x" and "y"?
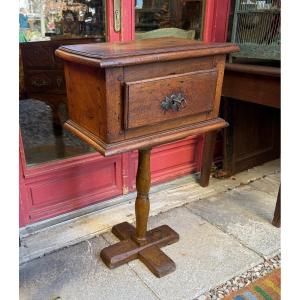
{"x": 44, "y": 75}
{"x": 157, "y": 14}
{"x": 137, "y": 95}
{"x": 165, "y": 32}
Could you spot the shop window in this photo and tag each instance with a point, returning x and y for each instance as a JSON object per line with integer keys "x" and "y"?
{"x": 255, "y": 25}
{"x": 41, "y": 20}
{"x": 169, "y": 15}
{"x": 44, "y": 26}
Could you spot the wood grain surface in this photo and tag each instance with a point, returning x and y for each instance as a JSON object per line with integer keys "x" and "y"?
{"x": 143, "y": 98}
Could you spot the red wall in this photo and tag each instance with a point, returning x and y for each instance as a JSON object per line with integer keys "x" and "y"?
{"x": 66, "y": 185}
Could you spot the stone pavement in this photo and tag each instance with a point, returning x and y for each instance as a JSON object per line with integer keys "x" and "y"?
{"x": 222, "y": 235}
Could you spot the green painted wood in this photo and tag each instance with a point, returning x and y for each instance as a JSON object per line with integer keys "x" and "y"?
{"x": 164, "y": 32}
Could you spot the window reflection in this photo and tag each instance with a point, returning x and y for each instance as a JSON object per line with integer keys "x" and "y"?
{"x": 42, "y": 19}
{"x": 169, "y": 14}
{"x": 44, "y": 25}
{"x": 43, "y": 140}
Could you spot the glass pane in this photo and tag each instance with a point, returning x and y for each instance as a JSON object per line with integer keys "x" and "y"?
{"x": 169, "y": 16}
{"x": 44, "y": 140}
{"x": 40, "y": 20}
{"x": 44, "y": 26}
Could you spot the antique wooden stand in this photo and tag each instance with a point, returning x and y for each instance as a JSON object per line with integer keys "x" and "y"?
{"x": 138, "y": 242}
{"x": 138, "y": 95}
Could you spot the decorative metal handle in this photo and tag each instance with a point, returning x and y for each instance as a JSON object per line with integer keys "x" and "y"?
{"x": 117, "y": 15}
{"x": 173, "y": 102}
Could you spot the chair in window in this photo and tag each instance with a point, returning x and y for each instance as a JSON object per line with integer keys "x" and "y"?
{"x": 165, "y": 32}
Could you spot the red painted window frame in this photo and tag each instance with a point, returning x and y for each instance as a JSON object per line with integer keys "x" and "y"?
{"x": 216, "y": 20}
{"x": 184, "y": 156}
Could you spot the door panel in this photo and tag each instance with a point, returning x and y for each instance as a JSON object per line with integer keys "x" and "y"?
{"x": 88, "y": 180}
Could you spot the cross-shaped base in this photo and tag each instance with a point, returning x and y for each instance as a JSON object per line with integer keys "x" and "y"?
{"x": 129, "y": 248}
{"x": 138, "y": 242}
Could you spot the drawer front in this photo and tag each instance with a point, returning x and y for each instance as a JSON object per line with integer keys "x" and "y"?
{"x": 37, "y": 55}
{"x": 45, "y": 81}
{"x": 41, "y": 54}
{"x": 167, "y": 98}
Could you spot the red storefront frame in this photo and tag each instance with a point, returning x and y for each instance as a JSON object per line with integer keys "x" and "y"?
{"x": 61, "y": 186}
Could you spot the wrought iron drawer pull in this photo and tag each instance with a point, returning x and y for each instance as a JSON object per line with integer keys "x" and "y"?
{"x": 174, "y": 102}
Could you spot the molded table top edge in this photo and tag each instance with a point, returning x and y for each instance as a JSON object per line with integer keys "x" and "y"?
{"x": 123, "y": 53}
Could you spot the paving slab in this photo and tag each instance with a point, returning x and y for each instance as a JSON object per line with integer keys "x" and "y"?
{"x": 268, "y": 184}
{"x": 77, "y": 272}
{"x": 204, "y": 257}
{"x": 37, "y": 239}
{"x": 246, "y": 214}
{"x": 255, "y": 173}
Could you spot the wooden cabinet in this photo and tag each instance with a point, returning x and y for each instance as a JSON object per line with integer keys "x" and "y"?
{"x": 42, "y": 81}
{"x": 43, "y": 70}
{"x": 115, "y": 109}
{"x": 251, "y": 105}
{"x": 143, "y": 93}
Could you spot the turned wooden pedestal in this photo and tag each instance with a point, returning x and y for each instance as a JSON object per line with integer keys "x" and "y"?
{"x": 138, "y": 242}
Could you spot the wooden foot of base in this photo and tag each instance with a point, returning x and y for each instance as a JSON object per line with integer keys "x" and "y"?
{"x": 207, "y": 157}
{"x": 276, "y": 219}
{"x": 148, "y": 252}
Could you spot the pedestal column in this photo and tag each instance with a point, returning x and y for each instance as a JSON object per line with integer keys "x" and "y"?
{"x": 142, "y": 204}
{"x": 138, "y": 242}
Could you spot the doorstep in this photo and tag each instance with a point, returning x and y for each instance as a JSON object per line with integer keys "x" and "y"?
{"x": 39, "y": 239}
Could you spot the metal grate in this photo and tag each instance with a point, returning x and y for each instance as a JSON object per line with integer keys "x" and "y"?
{"x": 256, "y": 28}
